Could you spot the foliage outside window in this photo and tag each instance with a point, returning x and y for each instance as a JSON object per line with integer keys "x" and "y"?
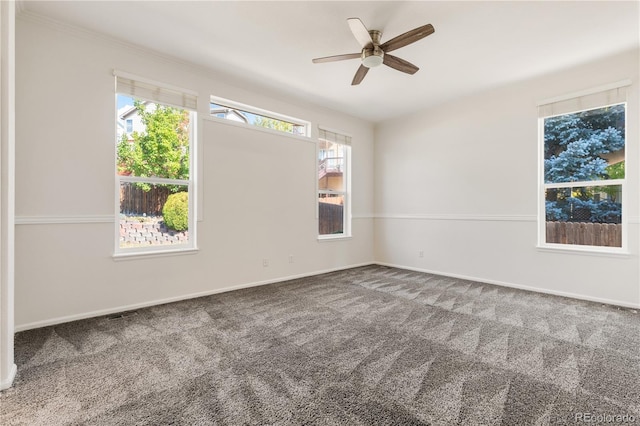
{"x": 153, "y": 160}
{"x": 255, "y": 117}
{"x": 584, "y": 175}
{"x": 333, "y": 184}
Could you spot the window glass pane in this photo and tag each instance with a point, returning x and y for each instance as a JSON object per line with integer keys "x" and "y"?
{"x": 585, "y": 146}
{"x": 587, "y": 215}
{"x": 235, "y": 114}
{"x": 331, "y": 213}
{"x": 330, "y": 166}
{"x": 158, "y": 143}
{"x": 153, "y": 215}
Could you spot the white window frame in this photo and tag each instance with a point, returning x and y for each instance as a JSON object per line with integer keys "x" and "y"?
{"x": 595, "y": 98}
{"x": 162, "y": 94}
{"x": 262, "y": 112}
{"x": 323, "y": 133}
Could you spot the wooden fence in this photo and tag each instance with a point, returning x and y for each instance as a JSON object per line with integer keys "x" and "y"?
{"x": 135, "y": 201}
{"x": 331, "y": 218}
{"x": 585, "y": 233}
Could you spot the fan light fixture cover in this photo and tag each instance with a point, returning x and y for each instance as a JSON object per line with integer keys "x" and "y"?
{"x": 374, "y": 53}
{"x": 373, "y": 58}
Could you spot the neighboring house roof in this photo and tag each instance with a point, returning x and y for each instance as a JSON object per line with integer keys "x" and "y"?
{"x": 129, "y": 110}
{"x": 230, "y": 114}
{"x": 126, "y": 111}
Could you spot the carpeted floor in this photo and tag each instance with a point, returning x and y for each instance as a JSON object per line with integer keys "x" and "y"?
{"x": 365, "y": 346}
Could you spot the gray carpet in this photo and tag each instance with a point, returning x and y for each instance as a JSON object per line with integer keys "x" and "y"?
{"x": 365, "y": 346}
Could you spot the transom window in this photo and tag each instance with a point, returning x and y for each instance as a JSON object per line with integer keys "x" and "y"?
{"x": 229, "y": 110}
{"x": 584, "y": 170}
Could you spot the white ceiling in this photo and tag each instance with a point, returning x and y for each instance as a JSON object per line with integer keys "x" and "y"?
{"x": 477, "y": 44}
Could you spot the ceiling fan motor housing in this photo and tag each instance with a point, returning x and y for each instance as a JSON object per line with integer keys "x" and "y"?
{"x": 373, "y": 55}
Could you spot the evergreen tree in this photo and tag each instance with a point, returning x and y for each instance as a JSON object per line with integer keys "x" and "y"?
{"x": 575, "y": 145}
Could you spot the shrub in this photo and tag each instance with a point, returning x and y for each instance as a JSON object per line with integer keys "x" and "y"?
{"x": 176, "y": 211}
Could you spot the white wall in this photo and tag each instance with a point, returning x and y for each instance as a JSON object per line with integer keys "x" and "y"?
{"x": 459, "y": 182}
{"x": 257, "y": 189}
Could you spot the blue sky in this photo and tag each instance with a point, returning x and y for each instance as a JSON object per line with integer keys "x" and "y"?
{"x": 123, "y": 101}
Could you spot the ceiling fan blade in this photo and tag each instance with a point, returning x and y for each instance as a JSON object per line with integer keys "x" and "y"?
{"x": 360, "y": 32}
{"x": 399, "y": 64}
{"x": 337, "y": 58}
{"x": 362, "y": 71}
{"x": 407, "y": 38}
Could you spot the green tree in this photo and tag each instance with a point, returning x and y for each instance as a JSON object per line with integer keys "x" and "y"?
{"x": 162, "y": 150}
{"x": 616, "y": 171}
{"x": 125, "y": 156}
{"x": 272, "y": 123}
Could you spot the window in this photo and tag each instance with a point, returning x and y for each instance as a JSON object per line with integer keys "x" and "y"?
{"x": 229, "y": 110}
{"x": 333, "y": 184}
{"x": 154, "y": 168}
{"x": 583, "y": 170}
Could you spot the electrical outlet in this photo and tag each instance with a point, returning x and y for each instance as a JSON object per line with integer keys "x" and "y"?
{"x": 290, "y": 258}
{"x": 265, "y": 262}
{"x": 420, "y": 253}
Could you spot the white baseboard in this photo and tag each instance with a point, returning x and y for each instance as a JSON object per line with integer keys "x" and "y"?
{"x": 101, "y": 312}
{"x": 518, "y": 286}
{"x": 8, "y": 382}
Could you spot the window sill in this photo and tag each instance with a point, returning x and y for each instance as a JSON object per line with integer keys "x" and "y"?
{"x": 326, "y": 238}
{"x": 153, "y": 254}
{"x": 584, "y": 250}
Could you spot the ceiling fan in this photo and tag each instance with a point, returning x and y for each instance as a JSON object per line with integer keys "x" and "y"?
{"x": 373, "y": 53}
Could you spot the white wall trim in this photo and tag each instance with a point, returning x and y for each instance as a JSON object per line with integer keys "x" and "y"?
{"x": 101, "y": 312}
{"x": 48, "y": 220}
{"x": 8, "y": 382}
{"x": 72, "y": 220}
{"x": 464, "y": 217}
{"x": 518, "y": 286}
{"x": 158, "y": 251}
{"x": 584, "y": 250}
{"x": 7, "y": 191}
{"x": 459, "y": 217}
{"x": 363, "y": 216}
